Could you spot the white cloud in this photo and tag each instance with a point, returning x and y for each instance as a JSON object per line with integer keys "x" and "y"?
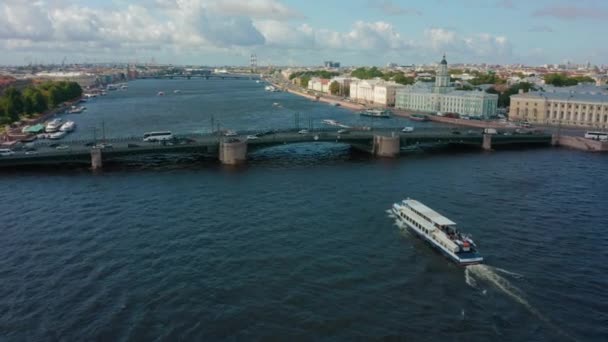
{"x": 481, "y": 45}
{"x": 229, "y": 27}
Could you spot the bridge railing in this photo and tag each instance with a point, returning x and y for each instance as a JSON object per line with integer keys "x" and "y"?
{"x": 263, "y": 132}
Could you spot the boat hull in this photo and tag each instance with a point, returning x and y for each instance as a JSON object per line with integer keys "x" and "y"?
{"x": 474, "y": 260}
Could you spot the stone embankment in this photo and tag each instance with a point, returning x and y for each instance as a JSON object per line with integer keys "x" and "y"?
{"x": 581, "y": 143}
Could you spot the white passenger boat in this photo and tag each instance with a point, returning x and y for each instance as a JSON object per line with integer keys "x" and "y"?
{"x": 68, "y": 126}
{"x": 376, "y": 113}
{"x": 76, "y": 109}
{"x": 53, "y": 125}
{"x": 57, "y": 135}
{"x": 439, "y": 231}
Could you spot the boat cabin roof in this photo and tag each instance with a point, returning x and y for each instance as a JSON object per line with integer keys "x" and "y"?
{"x": 429, "y": 213}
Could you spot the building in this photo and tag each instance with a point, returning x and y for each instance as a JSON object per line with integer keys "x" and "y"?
{"x": 344, "y": 83}
{"x": 319, "y": 84}
{"x": 331, "y": 64}
{"x": 385, "y": 93}
{"x": 443, "y": 98}
{"x": 571, "y": 109}
{"x": 375, "y": 91}
{"x": 82, "y": 78}
{"x": 362, "y": 91}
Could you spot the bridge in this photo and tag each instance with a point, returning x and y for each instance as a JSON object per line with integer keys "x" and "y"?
{"x": 205, "y": 76}
{"x": 382, "y": 142}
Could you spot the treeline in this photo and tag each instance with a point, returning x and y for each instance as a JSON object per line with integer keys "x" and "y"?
{"x": 373, "y": 72}
{"x": 305, "y": 76}
{"x": 317, "y": 73}
{"x": 15, "y": 104}
{"x": 487, "y": 78}
{"x": 504, "y": 97}
{"x": 563, "y": 80}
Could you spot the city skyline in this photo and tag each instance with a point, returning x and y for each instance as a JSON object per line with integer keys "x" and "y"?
{"x": 288, "y": 32}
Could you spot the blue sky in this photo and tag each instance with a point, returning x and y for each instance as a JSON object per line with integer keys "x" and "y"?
{"x": 292, "y": 32}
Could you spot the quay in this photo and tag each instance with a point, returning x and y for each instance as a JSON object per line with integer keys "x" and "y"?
{"x": 382, "y": 142}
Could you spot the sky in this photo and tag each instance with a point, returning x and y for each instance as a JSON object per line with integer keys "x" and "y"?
{"x": 303, "y": 32}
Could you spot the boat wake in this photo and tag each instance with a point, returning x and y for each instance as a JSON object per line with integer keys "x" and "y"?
{"x": 475, "y": 273}
{"x": 402, "y": 227}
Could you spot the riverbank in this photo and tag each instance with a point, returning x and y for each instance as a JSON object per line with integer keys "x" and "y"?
{"x": 14, "y": 133}
{"x": 342, "y": 103}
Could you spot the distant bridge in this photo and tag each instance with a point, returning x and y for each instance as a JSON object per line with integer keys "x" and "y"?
{"x": 384, "y": 142}
{"x": 205, "y": 76}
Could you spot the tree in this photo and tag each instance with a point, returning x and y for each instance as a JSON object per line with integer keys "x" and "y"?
{"x": 13, "y": 103}
{"x": 33, "y": 101}
{"x": 562, "y": 80}
{"x": 304, "y": 81}
{"x": 504, "y": 98}
{"x": 402, "y": 79}
{"x": 366, "y": 74}
{"x": 334, "y": 88}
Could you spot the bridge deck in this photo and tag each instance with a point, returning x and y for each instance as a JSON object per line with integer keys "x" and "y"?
{"x": 79, "y": 151}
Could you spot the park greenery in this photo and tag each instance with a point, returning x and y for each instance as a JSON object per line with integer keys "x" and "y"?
{"x": 374, "y": 72}
{"x": 504, "y": 97}
{"x": 563, "y": 80}
{"x": 334, "y": 88}
{"x": 486, "y": 78}
{"x": 35, "y": 99}
{"x": 305, "y": 76}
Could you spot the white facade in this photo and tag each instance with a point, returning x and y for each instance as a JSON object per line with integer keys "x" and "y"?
{"x": 374, "y": 91}
{"x": 384, "y": 93}
{"x": 443, "y": 98}
{"x": 319, "y": 84}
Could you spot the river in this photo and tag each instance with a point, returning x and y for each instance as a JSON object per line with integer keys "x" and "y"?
{"x": 298, "y": 243}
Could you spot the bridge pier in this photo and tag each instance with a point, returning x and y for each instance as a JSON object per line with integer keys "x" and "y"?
{"x": 233, "y": 152}
{"x": 554, "y": 139}
{"x": 386, "y": 146}
{"x": 487, "y": 142}
{"x": 96, "y": 160}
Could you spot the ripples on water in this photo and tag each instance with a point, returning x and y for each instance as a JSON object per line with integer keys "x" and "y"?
{"x": 298, "y": 244}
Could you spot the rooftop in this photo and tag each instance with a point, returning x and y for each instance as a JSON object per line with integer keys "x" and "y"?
{"x": 600, "y": 98}
{"x": 429, "y": 213}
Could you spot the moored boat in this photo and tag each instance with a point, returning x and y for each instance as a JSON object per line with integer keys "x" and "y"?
{"x": 419, "y": 117}
{"x": 57, "y": 135}
{"x": 439, "y": 231}
{"x": 69, "y": 126}
{"x": 76, "y": 109}
{"x": 376, "y": 113}
{"x": 160, "y": 93}
{"x": 53, "y": 125}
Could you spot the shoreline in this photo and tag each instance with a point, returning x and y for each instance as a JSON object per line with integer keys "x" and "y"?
{"x": 344, "y": 104}
{"x": 14, "y": 134}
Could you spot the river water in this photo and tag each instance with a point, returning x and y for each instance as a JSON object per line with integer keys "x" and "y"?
{"x": 297, "y": 244}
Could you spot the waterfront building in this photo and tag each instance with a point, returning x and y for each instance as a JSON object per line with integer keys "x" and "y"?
{"x": 362, "y": 91}
{"x": 443, "y": 98}
{"x": 344, "y": 83}
{"x": 82, "y": 78}
{"x": 319, "y": 84}
{"x": 571, "y": 109}
{"x": 375, "y": 91}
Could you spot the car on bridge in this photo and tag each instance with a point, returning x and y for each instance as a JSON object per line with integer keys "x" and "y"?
{"x": 230, "y": 134}
{"x": 252, "y": 137}
{"x": 303, "y": 131}
{"x": 407, "y": 129}
{"x": 343, "y": 131}
{"x": 6, "y": 152}
{"x": 103, "y": 146}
